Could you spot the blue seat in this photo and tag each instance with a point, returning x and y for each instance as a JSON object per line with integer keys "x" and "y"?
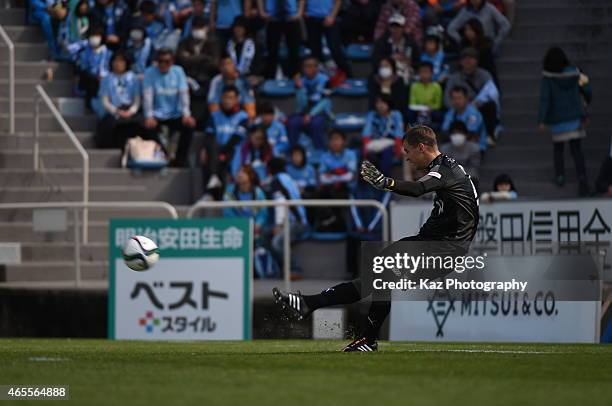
{"x": 350, "y": 121}
{"x": 327, "y": 236}
{"x": 277, "y": 88}
{"x": 353, "y": 88}
{"x": 359, "y": 52}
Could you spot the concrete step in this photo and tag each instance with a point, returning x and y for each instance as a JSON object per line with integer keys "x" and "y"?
{"x": 537, "y": 189}
{"x": 13, "y": 16}
{"x": 62, "y": 251}
{"x": 524, "y": 137}
{"x": 25, "y": 87}
{"x": 564, "y": 14}
{"x": 59, "y": 193}
{"x": 38, "y": 51}
{"x": 515, "y": 153}
{"x": 562, "y": 3}
{"x": 533, "y": 66}
{"x": 59, "y": 158}
{"x": 25, "y": 140}
{"x": 100, "y": 215}
{"x": 557, "y": 33}
{"x": 24, "y": 122}
{"x": 17, "y": 231}
{"x": 24, "y": 33}
{"x": 54, "y": 271}
{"x": 35, "y": 70}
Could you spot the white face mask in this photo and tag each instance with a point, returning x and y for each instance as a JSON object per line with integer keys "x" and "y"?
{"x": 385, "y": 72}
{"x": 136, "y": 35}
{"x": 457, "y": 139}
{"x": 95, "y": 41}
{"x": 198, "y": 34}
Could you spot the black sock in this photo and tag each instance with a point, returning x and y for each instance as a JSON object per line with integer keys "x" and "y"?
{"x": 343, "y": 293}
{"x": 379, "y": 310}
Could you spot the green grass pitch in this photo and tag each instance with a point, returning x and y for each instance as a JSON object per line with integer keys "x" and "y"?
{"x": 263, "y": 372}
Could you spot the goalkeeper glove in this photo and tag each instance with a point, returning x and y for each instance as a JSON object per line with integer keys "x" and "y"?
{"x": 374, "y": 177}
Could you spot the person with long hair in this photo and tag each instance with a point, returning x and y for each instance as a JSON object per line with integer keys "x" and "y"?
{"x": 564, "y": 93}
{"x": 474, "y": 36}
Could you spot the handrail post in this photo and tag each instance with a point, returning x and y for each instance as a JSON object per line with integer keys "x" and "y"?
{"x": 85, "y": 199}
{"x": 11, "y": 75}
{"x": 36, "y": 133}
{"x": 77, "y": 250}
{"x": 287, "y": 250}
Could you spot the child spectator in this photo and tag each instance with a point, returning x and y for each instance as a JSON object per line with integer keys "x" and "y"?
{"x": 241, "y": 49}
{"x": 92, "y": 63}
{"x": 113, "y": 15}
{"x": 274, "y": 129}
{"x": 313, "y": 105}
{"x": 474, "y": 37}
{"x": 255, "y": 151}
{"x": 495, "y": 25}
{"x": 503, "y": 189}
{"x": 464, "y": 151}
{"x": 225, "y": 131}
{"x": 229, "y": 76}
{"x": 462, "y": 110}
{"x": 407, "y": 9}
{"x": 433, "y": 54}
{"x": 382, "y": 135}
{"x": 302, "y": 172}
{"x": 166, "y": 103}
{"x": 425, "y": 98}
{"x": 384, "y": 81}
{"x": 120, "y": 96}
{"x": 223, "y": 13}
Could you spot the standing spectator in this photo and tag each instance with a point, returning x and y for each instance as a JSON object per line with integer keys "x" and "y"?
{"x": 474, "y": 37}
{"x": 434, "y": 54}
{"x": 384, "y": 81}
{"x": 113, "y": 15}
{"x": 321, "y": 20}
{"x": 399, "y": 46}
{"x": 302, "y": 172}
{"x": 120, "y": 94}
{"x": 464, "y": 151}
{"x": 407, "y": 9}
{"x": 313, "y": 105}
{"x": 40, "y": 12}
{"x": 255, "y": 151}
{"x": 359, "y": 20}
{"x": 282, "y": 21}
{"x": 166, "y": 103}
{"x": 382, "y": 135}
{"x": 425, "y": 98}
{"x": 242, "y": 50}
{"x": 139, "y": 50}
{"x": 563, "y": 90}
{"x": 503, "y": 189}
{"x": 495, "y": 25}
{"x": 274, "y": 129}
{"x": 462, "y": 110}
{"x": 92, "y": 63}
{"x": 223, "y": 13}
{"x": 229, "y": 76}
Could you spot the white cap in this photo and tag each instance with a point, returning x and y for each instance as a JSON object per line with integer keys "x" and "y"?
{"x": 397, "y": 19}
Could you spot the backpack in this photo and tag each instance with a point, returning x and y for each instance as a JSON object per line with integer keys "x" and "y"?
{"x": 139, "y": 153}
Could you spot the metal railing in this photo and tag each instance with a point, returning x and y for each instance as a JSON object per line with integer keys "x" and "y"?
{"x": 44, "y": 97}
{"x": 287, "y": 204}
{"x": 76, "y": 206}
{"x": 11, "y": 78}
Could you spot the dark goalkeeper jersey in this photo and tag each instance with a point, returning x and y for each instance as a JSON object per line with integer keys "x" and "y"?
{"x": 455, "y": 213}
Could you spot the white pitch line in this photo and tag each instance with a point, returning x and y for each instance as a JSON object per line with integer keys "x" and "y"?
{"x": 486, "y": 351}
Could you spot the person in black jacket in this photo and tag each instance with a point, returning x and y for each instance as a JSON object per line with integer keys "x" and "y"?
{"x": 384, "y": 81}
{"x": 115, "y": 18}
{"x": 399, "y": 46}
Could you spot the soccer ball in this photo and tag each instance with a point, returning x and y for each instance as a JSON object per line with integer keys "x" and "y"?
{"x": 140, "y": 253}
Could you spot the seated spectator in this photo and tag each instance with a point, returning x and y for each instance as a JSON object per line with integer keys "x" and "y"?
{"x": 78, "y": 22}
{"x": 434, "y": 54}
{"x": 337, "y": 175}
{"x": 120, "y": 96}
{"x": 321, "y": 20}
{"x": 222, "y": 14}
{"x": 139, "y": 50}
{"x": 284, "y": 188}
{"x": 150, "y": 21}
{"x": 382, "y": 135}
{"x": 359, "y": 20}
{"x": 464, "y": 151}
{"x": 225, "y": 131}
{"x": 43, "y": 13}
{"x": 503, "y": 189}
{"x": 406, "y": 8}
{"x": 92, "y": 62}
{"x": 473, "y": 36}
{"x": 425, "y": 99}
{"x": 313, "y": 105}
{"x": 441, "y": 12}
{"x": 166, "y": 103}
{"x": 198, "y": 10}
{"x": 462, "y": 110}
{"x": 603, "y": 184}
{"x": 275, "y": 130}
{"x": 229, "y": 76}
{"x": 481, "y": 90}
{"x": 495, "y": 25}
{"x": 303, "y": 173}
{"x": 399, "y": 46}
{"x": 242, "y": 50}
{"x": 113, "y": 15}
{"x": 179, "y": 12}
{"x": 384, "y": 81}
{"x": 255, "y": 151}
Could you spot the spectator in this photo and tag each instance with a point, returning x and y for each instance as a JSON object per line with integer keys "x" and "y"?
{"x": 359, "y": 20}
{"x": 92, "y": 63}
{"x": 255, "y": 151}
{"x": 313, "y": 105}
{"x": 120, "y": 95}
{"x": 495, "y": 25}
{"x": 78, "y": 22}
{"x": 113, "y": 15}
{"x": 229, "y": 76}
{"x": 407, "y": 9}
{"x": 603, "y": 184}
{"x": 503, "y": 189}
{"x": 462, "y": 110}
{"x": 223, "y": 13}
{"x": 41, "y": 13}
{"x": 440, "y": 11}
{"x": 139, "y": 50}
{"x": 481, "y": 90}
{"x": 303, "y": 173}
{"x": 382, "y": 135}
{"x": 284, "y": 188}
{"x": 166, "y": 103}
{"x": 151, "y": 23}
{"x": 199, "y": 10}
{"x": 425, "y": 98}
{"x": 399, "y": 46}
{"x": 384, "y": 81}
{"x": 282, "y": 21}
{"x": 464, "y": 151}
{"x": 275, "y": 130}
{"x": 225, "y": 131}
{"x": 563, "y": 91}
{"x": 321, "y": 20}
{"x": 242, "y": 50}
{"x": 473, "y": 36}
{"x": 434, "y": 54}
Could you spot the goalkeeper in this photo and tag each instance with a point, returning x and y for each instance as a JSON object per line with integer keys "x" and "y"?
{"x": 454, "y": 218}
